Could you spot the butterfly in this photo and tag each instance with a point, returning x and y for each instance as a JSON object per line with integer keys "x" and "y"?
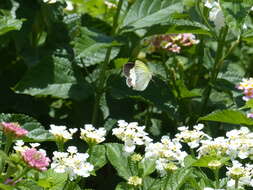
{"x": 137, "y": 75}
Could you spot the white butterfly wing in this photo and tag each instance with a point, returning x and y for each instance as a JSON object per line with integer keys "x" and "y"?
{"x": 142, "y": 76}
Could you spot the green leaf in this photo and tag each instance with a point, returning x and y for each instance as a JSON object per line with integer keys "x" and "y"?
{"x": 145, "y": 13}
{"x": 28, "y": 185}
{"x": 55, "y": 76}
{"x": 97, "y": 156}
{"x": 178, "y": 178}
{"x": 184, "y": 92}
{"x": 228, "y": 116}
{"x": 147, "y": 166}
{"x": 91, "y": 47}
{"x": 118, "y": 159}
{"x": 235, "y": 12}
{"x": 123, "y": 186}
{"x": 150, "y": 183}
{"x": 249, "y": 104}
{"x": 7, "y": 23}
{"x": 205, "y": 160}
{"x": 36, "y": 130}
{"x": 51, "y": 180}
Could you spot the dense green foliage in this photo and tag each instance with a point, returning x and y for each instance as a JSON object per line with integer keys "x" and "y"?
{"x": 64, "y": 67}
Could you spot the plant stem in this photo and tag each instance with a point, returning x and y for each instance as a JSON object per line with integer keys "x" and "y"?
{"x": 216, "y": 68}
{"x": 102, "y": 76}
{"x": 236, "y": 183}
{"x": 216, "y": 174}
{"x": 22, "y": 174}
{"x": 60, "y": 145}
{"x": 8, "y": 144}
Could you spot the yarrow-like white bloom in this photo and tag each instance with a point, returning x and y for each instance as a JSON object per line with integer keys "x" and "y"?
{"x": 72, "y": 162}
{"x": 61, "y": 133}
{"x": 111, "y": 5}
{"x": 134, "y": 180}
{"x": 50, "y": 1}
{"x": 92, "y": 135}
{"x": 216, "y": 15}
{"x": 240, "y": 143}
{"x": 215, "y": 147}
{"x": 131, "y": 134}
{"x": 247, "y": 86}
{"x": 240, "y": 173}
{"x": 168, "y": 154}
{"x": 191, "y": 137}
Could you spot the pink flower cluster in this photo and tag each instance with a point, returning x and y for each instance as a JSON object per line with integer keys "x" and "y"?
{"x": 13, "y": 129}
{"x": 171, "y": 42}
{"x": 36, "y": 159}
{"x": 247, "y": 86}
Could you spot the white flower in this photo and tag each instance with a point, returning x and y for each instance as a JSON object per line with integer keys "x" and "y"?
{"x": 72, "y": 162}
{"x": 61, "y": 133}
{"x": 110, "y": 5}
{"x": 209, "y": 188}
{"x": 215, "y": 147}
{"x": 191, "y": 137}
{"x": 92, "y": 135}
{"x": 131, "y": 134}
{"x": 166, "y": 153}
{"x": 19, "y": 146}
{"x": 134, "y": 180}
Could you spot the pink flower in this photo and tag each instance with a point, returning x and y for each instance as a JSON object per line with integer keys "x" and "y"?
{"x": 36, "y": 159}
{"x": 250, "y": 115}
{"x": 13, "y": 129}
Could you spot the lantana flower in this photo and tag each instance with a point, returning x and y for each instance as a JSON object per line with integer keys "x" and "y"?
{"x": 191, "y": 137}
{"x": 92, "y": 135}
{"x": 61, "y": 133}
{"x": 247, "y": 86}
{"x": 167, "y": 153}
{"x": 171, "y": 42}
{"x": 71, "y": 162}
{"x": 131, "y": 134}
{"x": 13, "y": 130}
{"x": 33, "y": 157}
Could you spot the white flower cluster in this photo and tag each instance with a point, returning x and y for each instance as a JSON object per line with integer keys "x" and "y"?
{"x": 71, "y": 162}
{"x": 240, "y": 173}
{"x": 215, "y": 14}
{"x": 191, "y": 137}
{"x": 61, "y": 133}
{"x": 168, "y": 154}
{"x": 134, "y": 180}
{"x": 131, "y": 134}
{"x": 238, "y": 144}
{"x": 92, "y": 135}
{"x": 213, "y": 147}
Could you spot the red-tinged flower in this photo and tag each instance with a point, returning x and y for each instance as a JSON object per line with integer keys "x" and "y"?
{"x": 36, "y": 158}
{"x": 13, "y": 129}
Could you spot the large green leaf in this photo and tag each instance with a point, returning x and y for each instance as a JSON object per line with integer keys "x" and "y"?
{"x": 147, "y": 166}
{"x": 228, "y": 116}
{"x": 118, "y": 159}
{"x": 159, "y": 17}
{"x": 91, "y": 47}
{"x": 146, "y": 13}
{"x": 55, "y": 76}
{"x": 36, "y": 130}
{"x": 177, "y": 179}
{"x": 97, "y": 156}
{"x": 150, "y": 183}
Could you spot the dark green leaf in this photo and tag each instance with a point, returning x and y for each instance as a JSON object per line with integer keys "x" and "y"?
{"x": 147, "y": 166}
{"x": 97, "y": 156}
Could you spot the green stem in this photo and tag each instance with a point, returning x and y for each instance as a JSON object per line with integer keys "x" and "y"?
{"x": 236, "y": 183}
{"x": 102, "y": 75}
{"x": 216, "y": 68}
{"x": 60, "y": 145}
{"x": 217, "y": 182}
